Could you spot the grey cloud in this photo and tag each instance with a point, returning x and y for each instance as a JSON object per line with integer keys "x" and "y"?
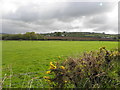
{"x": 86, "y": 8}
{"x": 101, "y": 22}
{"x": 99, "y": 19}
{"x": 47, "y": 17}
{"x": 119, "y": 17}
{"x": 107, "y": 27}
{"x": 61, "y": 11}
{"x": 10, "y": 26}
{"x": 95, "y": 21}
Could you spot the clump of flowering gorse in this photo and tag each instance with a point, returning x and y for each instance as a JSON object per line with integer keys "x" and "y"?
{"x": 90, "y": 70}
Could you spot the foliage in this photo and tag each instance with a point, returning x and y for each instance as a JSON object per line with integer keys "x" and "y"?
{"x": 26, "y": 36}
{"x": 91, "y": 70}
{"x": 58, "y": 34}
{"x": 84, "y": 35}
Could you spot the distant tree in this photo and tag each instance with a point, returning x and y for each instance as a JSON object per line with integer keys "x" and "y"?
{"x": 103, "y": 33}
{"x": 64, "y": 32}
{"x": 58, "y": 34}
{"x": 26, "y": 36}
{"x": 30, "y": 36}
{"x": 39, "y": 36}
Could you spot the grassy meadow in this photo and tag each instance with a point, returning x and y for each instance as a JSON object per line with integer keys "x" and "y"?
{"x": 24, "y": 60}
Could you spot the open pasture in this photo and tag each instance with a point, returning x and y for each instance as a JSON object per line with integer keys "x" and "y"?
{"x": 20, "y": 57}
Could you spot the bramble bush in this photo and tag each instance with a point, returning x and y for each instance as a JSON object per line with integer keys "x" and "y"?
{"x": 99, "y": 69}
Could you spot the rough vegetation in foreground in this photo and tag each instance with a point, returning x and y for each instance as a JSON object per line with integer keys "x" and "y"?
{"x": 99, "y": 69}
{"x": 91, "y": 70}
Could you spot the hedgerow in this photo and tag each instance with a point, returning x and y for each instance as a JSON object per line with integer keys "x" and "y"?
{"x": 94, "y": 69}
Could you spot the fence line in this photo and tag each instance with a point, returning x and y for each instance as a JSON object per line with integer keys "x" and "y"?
{"x": 24, "y": 81}
{"x": 15, "y": 75}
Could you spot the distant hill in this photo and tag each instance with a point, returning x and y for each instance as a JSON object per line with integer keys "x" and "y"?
{"x": 82, "y": 35}
{"x": 61, "y": 36}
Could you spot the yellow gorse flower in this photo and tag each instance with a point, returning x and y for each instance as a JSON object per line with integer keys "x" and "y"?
{"x": 111, "y": 54}
{"x": 48, "y": 72}
{"x": 102, "y": 48}
{"x": 84, "y": 65}
{"x": 48, "y": 80}
{"x": 46, "y": 77}
{"x": 82, "y": 70}
{"x": 65, "y": 81}
{"x": 51, "y": 63}
{"x": 83, "y": 62}
{"x": 52, "y": 66}
{"x": 59, "y": 57}
{"x": 62, "y": 67}
{"x": 81, "y": 65}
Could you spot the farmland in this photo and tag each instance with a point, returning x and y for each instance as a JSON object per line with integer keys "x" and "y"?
{"x": 34, "y": 56}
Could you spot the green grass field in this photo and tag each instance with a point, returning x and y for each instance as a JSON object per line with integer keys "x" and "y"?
{"x": 34, "y": 56}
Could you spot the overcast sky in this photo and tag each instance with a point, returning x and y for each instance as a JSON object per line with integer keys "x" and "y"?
{"x": 20, "y": 16}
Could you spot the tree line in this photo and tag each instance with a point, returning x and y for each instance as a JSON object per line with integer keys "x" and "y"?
{"x": 59, "y": 36}
{"x": 26, "y": 36}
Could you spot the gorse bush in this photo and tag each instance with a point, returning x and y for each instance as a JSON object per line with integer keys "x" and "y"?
{"x": 98, "y": 69}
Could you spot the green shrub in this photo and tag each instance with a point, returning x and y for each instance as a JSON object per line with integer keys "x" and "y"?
{"x": 91, "y": 70}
